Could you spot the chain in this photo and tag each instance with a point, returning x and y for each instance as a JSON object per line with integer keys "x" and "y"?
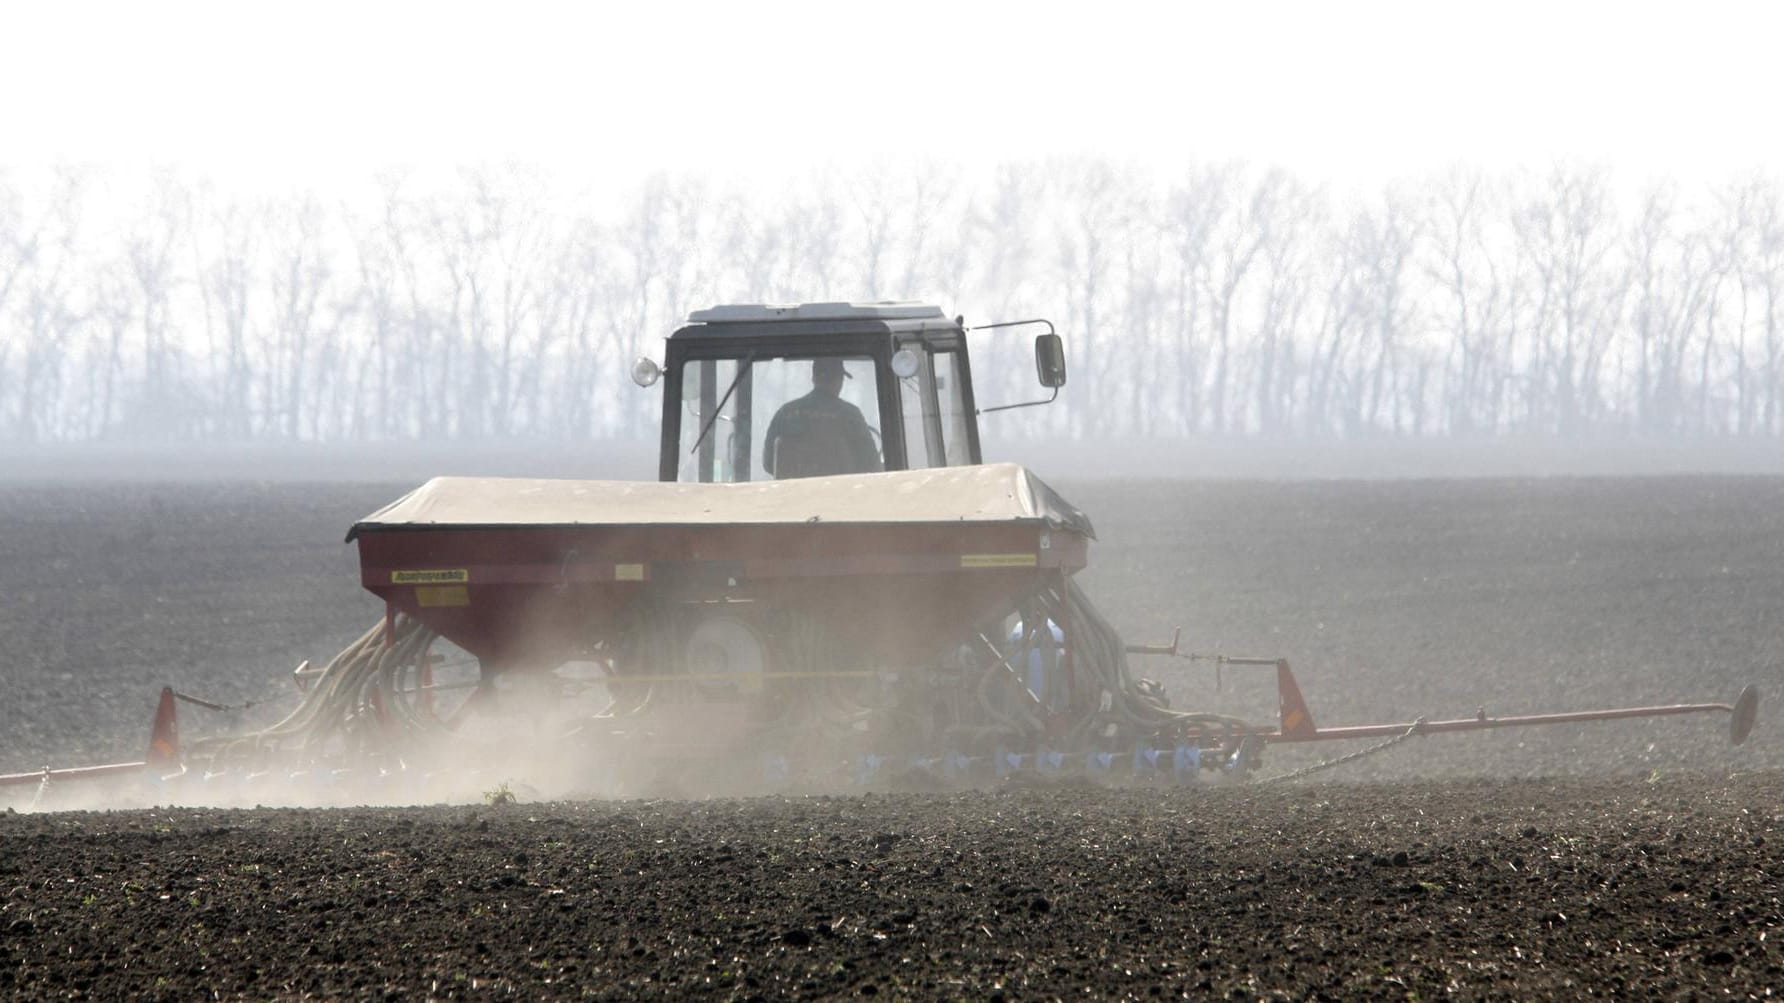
{"x": 1415, "y": 728}
{"x": 208, "y": 705}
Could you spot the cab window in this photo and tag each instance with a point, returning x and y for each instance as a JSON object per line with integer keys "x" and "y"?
{"x": 784, "y": 417}
{"x": 933, "y": 402}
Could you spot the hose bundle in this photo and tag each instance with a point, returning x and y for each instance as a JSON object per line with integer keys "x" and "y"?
{"x": 358, "y": 704}
{"x": 1108, "y": 701}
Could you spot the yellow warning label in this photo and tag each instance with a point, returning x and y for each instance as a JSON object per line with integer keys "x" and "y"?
{"x": 998, "y": 560}
{"x": 628, "y": 572}
{"x": 435, "y": 577}
{"x": 442, "y": 595}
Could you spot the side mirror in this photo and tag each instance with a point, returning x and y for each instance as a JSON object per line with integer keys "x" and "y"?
{"x": 1049, "y": 360}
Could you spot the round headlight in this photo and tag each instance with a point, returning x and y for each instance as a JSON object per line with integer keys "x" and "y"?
{"x": 645, "y": 372}
{"x": 905, "y": 363}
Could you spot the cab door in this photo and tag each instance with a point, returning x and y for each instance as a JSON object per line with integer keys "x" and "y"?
{"x": 935, "y": 403}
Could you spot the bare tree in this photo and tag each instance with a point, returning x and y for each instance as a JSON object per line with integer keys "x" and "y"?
{"x": 18, "y": 253}
{"x": 1095, "y": 217}
{"x": 1567, "y": 235}
{"x": 814, "y": 247}
{"x": 1374, "y": 289}
{"x": 379, "y": 291}
{"x": 1747, "y": 209}
{"x": 424, "y": 357}
{"x": 761, "y": 249}
{"x": 1288, "y": 221}
{"x": 510, "y": 220}
{"x": 1764, "y": 264}
{"x": 52, "y": 318}
{"x": 297, "y": 357}
{"x": 1008, "y": 267}
{"x": 667, "y": 242}
{"x": 1144, "y": 314}
{"x": 570, "y": 319}
{"x": 1237, "y": 240}
{"x": 151, "y": 247}
{"x": 1481, "y": 300}
{"x": 1338, "y": 333}
{"x": 1193, "y": 210}
{"x": 225, "y": 250}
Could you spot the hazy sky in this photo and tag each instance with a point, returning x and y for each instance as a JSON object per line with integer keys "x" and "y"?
{"x": 310, "y": 93}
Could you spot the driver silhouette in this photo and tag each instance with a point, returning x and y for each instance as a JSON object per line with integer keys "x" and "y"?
{"x": 820, "y": 433}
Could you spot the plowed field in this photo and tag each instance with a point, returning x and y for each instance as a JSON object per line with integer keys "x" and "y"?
{"x": 1632, "y": 858}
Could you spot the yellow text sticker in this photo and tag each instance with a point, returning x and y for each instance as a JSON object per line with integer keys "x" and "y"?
{"x": 441, "y": 576}
{"x": 998, "y": 560}
{"x": 628, "y": 572}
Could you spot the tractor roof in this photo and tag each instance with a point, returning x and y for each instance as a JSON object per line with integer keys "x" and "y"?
{"x": 746, "y": 313}
{"x": 815, "y": 318}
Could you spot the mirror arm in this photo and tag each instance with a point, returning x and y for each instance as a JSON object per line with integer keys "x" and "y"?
{"x": 1011, "y": 407}
{"x": 1013, "y": 323}
{"x": 1016, "y": 323}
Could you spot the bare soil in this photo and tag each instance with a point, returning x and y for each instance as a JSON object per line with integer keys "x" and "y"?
{"x": 1635, "y": 858}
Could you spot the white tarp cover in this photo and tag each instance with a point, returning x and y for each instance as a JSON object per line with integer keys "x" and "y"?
{"x": 998, "y": 492}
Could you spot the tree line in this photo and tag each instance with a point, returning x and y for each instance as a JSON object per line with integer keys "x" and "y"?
{"x": 1224, "y": 299}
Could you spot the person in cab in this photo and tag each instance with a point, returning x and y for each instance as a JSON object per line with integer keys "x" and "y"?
{"x": 820, "y": 433}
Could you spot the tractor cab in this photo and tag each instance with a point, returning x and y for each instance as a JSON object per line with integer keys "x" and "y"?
{"x": 765, "y": 392}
